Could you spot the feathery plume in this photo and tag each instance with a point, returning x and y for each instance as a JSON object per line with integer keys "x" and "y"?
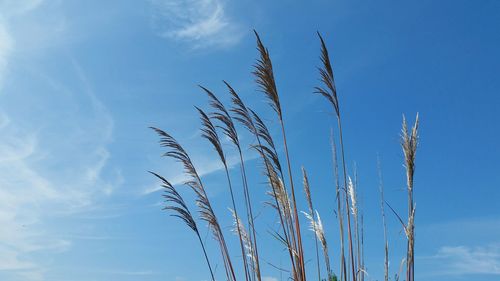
{"x": 265, "y": 79}
{"x": 177, "y": 152}
{"x": 307, "y": 191}
{"x": 209, "y": 132}
{"x": 238, "y": 227}
{"x": 176, "y": 203}
{"x": 263, "y": 131}
{"x": 251, "y": 120}
{"x": 265, "y": 76}
{"x": 326, "y": 74}
{"x": 409, "y": 142}
{"x": 352, "y": 195}
{"x": 241, "y": 112}
{"x": 229, "y": 129}
{"x": 329, "y": 91}
{"x": 320, "y": 232}
{"x": 317, "y": 227}
{"x": 222, "y": 115}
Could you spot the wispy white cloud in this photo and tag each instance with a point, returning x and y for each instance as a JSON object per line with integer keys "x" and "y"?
{"x": 15, "y": 176}
{"x": 204, "y": 165}
{"x": 465, "y": 260}
{"x": 30, "y": 192}
{"x": 7, "y": 10}
{"x": 131, "y": 273}
{"x": 267, "y": 278}
{"x": 487, "y": 225}
{"x": 52, "y": 162}
{"x": 18, "y": 35}
{"x": 179, "y": 177}
{"x": 5, "y": 50}
{"x": 202, "y": 23}
{"x": 15, "y": 8}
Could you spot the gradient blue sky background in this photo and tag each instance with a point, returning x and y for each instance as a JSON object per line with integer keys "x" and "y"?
{"x": 80, "y": 82}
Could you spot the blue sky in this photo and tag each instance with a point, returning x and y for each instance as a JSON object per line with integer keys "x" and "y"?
{"x": 80, "y": 82}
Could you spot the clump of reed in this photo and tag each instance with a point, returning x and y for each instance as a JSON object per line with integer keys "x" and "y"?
{"x": 282, "y": 193}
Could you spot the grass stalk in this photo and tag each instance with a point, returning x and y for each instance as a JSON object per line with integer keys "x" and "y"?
{"x": 384, "y": 224}
{"x": 209, "y": 132}
{"x": 254, "y": 124}
{"x": 349, "y": 235}
{"x": 409, "y": 142}
{"x": 330, "y": 93}
{"x": 307, "y": 191}
{"x": 265, "y": 78}
{"x": 176, "y": 203}
{"x": 356, "y": 207}
{"x": 363, "y": 269}
{"x": 253, "y": 233}
{"x": 275, "y": 175}
{"x": 282, "y": 192}
{"x": 343, "y": 269}
{"x": 177, "y": 152}
{"x": 222, "y": 114}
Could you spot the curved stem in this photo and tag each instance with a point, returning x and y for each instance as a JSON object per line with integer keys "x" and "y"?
{"x": 206, "y": 256}
{"x": 245, "y": 265}
{"x": 296, "y": 216}
{"x": 251, "y": 217}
